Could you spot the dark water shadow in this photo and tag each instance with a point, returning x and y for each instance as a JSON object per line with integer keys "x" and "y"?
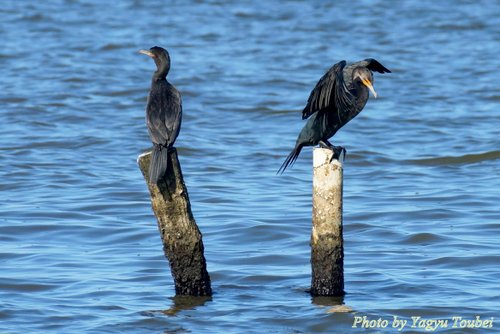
{"x": 182, "y": 303}
{"x": 334, "y": 304}
{"x": 458, "y": 160}
{"x": 327, "y": 301}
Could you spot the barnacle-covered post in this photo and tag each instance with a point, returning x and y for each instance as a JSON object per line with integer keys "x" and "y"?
{"x": 182, "y": 240}
{"x": 327, "y": 246}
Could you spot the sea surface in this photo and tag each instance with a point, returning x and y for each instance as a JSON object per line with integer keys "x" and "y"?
{"x": 80, "y": 250}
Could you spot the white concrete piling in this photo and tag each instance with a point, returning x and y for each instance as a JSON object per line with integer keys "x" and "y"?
{"x": 327, "y": 246}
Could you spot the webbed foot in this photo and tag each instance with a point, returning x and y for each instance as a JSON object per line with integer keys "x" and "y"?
{"x": 338, "y": 151}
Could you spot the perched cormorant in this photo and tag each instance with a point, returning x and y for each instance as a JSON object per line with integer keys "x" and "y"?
{"x": 163, "y": 113}
{"x": 337, "y": 98}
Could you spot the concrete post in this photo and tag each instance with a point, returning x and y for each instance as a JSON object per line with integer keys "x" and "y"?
{"x": 327, "y": 246}
{"x": 182, "y": 240}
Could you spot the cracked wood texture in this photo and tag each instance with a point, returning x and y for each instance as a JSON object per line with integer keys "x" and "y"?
{"x": 182, "y": 240}
{"x": 327, "y": 248}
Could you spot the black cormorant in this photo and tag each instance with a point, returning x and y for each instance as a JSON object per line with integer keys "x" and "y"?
{"x": 163, "y": 113}
{"x": 337, "y": 98}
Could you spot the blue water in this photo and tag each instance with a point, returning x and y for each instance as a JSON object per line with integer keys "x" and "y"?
{"x": 79, "y": 247}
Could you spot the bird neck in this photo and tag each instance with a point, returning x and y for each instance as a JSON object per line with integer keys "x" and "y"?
{"x": 162, "y": 69}
{"x": 361, "y": 89}
{"x": 360, "y": 93}
{"x": 160, "y": 75}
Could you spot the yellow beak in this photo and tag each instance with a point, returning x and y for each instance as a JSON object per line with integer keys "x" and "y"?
{"x": 368, "y": 84}
{"x": 147, "y": 53}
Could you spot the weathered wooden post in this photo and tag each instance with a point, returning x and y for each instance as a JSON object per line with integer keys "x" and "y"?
{"x": 182, "y": 240}
{"x": 327, "y": 246}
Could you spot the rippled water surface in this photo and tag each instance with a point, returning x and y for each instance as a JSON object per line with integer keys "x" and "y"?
{"x": 79, "y": 246}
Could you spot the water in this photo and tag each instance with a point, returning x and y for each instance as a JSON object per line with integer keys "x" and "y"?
{"x": 80, "y": 251}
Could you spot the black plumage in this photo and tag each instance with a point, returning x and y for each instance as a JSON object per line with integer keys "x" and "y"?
{"x": 163, "y": 113}
{"x": 337, "y": 98}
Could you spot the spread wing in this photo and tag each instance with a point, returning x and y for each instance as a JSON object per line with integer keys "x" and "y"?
{"x": 330, "y": 92}
{"x": 374, "y": 66}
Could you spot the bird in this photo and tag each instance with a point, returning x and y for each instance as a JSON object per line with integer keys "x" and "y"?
{"x": 163, "y": 113}
{"x": 337, "y": 98}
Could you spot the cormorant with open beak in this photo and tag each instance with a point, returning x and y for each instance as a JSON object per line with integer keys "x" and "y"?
{"x": 338, "y": 97}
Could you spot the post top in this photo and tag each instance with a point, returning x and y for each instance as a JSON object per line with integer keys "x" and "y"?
{"x": 323, "y": 156}
{"x": 143, "y": 155}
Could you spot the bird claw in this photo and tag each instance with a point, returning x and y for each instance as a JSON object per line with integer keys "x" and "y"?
{"x": 338, "y": 151}
{"x": 164, "y": 147}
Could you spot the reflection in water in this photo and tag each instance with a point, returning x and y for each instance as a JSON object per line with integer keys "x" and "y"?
{"x": 335, "y": 304}
{"x": 328, "y": 301}
{"x": 182, "y": 303}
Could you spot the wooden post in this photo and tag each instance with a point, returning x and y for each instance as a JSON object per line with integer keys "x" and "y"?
{"x": 182, "y": 240}
{"x": 327, "y": 248}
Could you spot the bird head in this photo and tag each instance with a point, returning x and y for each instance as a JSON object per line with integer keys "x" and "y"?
{"x": 364, "y": 76}
{"x": 161, "y": 58}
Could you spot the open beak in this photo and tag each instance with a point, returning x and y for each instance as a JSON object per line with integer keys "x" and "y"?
{"x": 368, "y": 84}
{"x": 147, "y": 53}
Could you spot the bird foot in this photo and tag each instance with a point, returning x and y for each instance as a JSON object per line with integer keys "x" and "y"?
{"x": 325, "y": 144}
{"x": 338, "y": 153}
{"x": 164, "y": 147}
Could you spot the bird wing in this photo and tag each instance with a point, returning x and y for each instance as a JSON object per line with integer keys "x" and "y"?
{"x": 374, "y": 66}
{"x": 174, "y": 116}
{"x": 164, "y": 115}
{"x": 155, "y": 120}
{"x": 330, "y": 89}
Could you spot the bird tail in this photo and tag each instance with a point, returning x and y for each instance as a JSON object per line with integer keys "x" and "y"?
{"x": 159, "y": 163}
{"x": 290, "y": 160}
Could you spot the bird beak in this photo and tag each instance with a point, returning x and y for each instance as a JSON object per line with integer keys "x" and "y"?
{"x": 147, "y": 53}
{"x": 368, "y": 84}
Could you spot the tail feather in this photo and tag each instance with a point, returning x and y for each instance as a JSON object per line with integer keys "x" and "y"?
{"x": 159, "y": 163}
{"x": 290, "y": 160}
